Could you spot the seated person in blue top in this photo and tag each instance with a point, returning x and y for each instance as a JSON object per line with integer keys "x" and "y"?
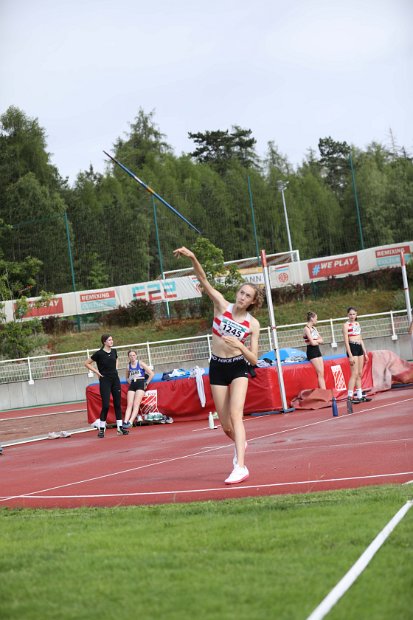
{"x": 313, "y": 339}
{"x": 138, "y": 375}
{"x": 228, "y": 369}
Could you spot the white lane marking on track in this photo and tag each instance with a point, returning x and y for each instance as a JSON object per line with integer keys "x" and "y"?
{"x": 19, "y": 442}
{"x": 211, "y": 489}
{"x": 343, "y": 415}
{"x": 40, "y": 415}
{"x": 199, "y": 452}
{"x": 321, "y": 446}
{"x": 358, "y": 567}
{"x": 117, "y": 473}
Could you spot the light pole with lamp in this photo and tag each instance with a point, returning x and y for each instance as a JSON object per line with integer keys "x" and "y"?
{"x": 282, "y": 185}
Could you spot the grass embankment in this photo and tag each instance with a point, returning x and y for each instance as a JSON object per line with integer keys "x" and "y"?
{"x": 270, "y": 557}
{"x": 335, "y": 305}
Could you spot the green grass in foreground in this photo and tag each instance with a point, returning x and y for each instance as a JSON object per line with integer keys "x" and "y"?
{"x": 271, "y": 557}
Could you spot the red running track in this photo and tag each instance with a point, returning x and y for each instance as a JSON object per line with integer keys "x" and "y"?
{"x": 299, "y": 452}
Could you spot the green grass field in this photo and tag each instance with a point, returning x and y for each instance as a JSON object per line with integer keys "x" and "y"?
{"x": 271, "y": 557}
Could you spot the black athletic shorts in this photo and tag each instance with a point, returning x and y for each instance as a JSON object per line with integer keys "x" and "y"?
{"x": 134, "y": 386}
{"x": 223, "y": 370}
{"x": 356, "y": 349}
{"x": 313, "y": 351}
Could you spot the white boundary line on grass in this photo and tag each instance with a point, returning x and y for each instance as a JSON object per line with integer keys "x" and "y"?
{"x": 355, "y": 571}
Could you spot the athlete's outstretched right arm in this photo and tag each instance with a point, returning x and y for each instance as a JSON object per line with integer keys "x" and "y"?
{"x": 212, "y": 293}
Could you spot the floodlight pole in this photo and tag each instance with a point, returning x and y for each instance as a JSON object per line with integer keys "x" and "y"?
{"x": 282, "y": 185}
{"x": 274, "y": 338}
{"x": 406, "y": 287}
{"x": 72, "y": 271}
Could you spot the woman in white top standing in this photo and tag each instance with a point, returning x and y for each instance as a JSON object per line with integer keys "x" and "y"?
{"x": 228, "y": 371}
{"x": 313, "y": 339}
{"x": 357, "y": 355}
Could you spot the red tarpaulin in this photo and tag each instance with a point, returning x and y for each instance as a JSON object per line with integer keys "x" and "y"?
{"x": 179, "y": 398}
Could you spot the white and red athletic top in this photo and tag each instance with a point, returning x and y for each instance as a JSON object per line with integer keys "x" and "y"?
{"x": 314, "y": 335}
{"x": 226, "y": 325}
{"x": 353, "y": 329}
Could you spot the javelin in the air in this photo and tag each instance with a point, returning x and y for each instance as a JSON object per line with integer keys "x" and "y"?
{"x": 152, "y": 192}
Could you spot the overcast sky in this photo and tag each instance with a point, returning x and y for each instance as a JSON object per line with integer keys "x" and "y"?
{"x": 292, "y": 71}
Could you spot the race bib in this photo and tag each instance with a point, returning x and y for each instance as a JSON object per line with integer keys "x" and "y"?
{"x": 232, "y": 328}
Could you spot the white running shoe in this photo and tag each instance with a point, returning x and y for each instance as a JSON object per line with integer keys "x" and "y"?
{"x": 238, "y": 474}
{"x": 235, "y": 459}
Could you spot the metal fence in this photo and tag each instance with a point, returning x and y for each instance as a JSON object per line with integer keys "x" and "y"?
{"x": 192, "y": 351}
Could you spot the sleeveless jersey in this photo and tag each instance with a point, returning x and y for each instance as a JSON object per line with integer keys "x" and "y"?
{"x": 136, "y": 373}
{"x": 354, "y": 329}
{"x": 314, "y": 335}
{"x": 226, "y": 325}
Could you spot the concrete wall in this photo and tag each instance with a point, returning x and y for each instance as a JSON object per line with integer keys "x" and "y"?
{"x": 43, "y": 392}
{"x": 72, "y": 388}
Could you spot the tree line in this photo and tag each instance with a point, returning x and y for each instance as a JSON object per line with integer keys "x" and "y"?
{"x": 104, "y": 230}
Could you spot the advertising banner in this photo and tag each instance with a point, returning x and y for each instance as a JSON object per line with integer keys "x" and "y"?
{"x": 53, "y": 308}
{"x": 329, "y": 267}
{"x": 280, "y": 276}
{"x": 187, "y": 287}
{"x": 388, "y": 257}
{"x": 97, "y": 301}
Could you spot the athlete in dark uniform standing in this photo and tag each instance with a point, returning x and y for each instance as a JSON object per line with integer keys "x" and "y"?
{"x": 106, "y": 360}
{"x": 228, "y": 371}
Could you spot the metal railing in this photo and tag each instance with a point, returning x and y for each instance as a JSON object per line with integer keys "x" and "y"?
{"x": 185, "y": 351}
